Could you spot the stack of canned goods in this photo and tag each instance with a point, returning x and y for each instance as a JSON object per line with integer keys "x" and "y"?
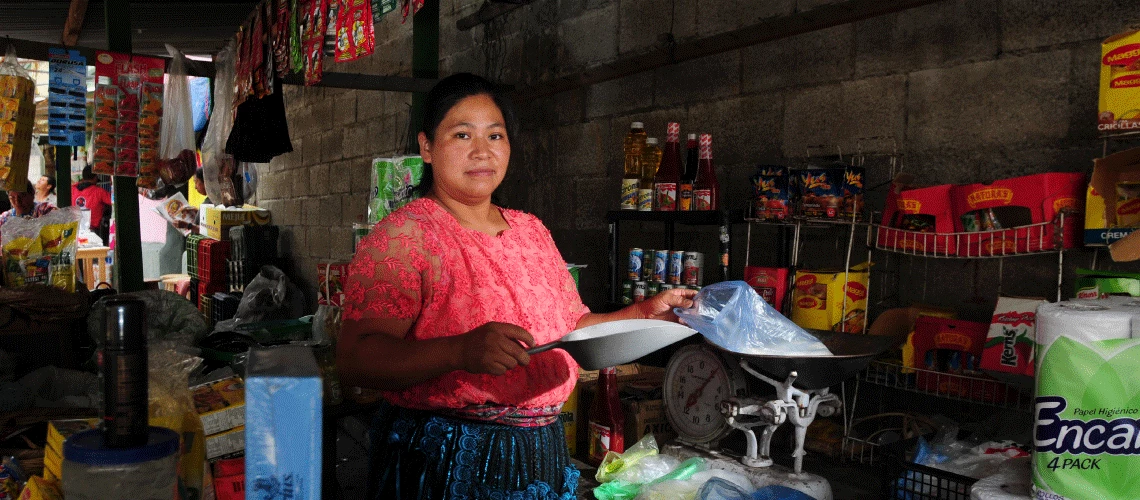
{"x": 651, "y": 271}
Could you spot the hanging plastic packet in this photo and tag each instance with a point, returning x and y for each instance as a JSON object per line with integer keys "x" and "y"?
{"x": 176, "y": 144}
{"x": 281, "y": 37}
{"x": 59, "y": 233}
{"x": 314, "y": 38}
{"x": 257, "y": 55}
{"x": 355, "y": 36}
{"x": 381, "y": 7}
{"x": 214, "y": 157}
{"x": 733, "y": 316}
{"x": 394, "y": 183}
{"x": 413, "y": 6}
{"x": 296, "y": 31}
{"x": 329, "y": 45}
{"x": 17, "y": 117}
{"x": 22, "y": 250}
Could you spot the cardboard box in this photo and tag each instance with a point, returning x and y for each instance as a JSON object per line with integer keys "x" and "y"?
{"x": 231, "y": 441}
{"x": 949, "y": 353}
{"x": 771, "y": 283}
{"x": 914, "y": 218}
{"x": 220, "y": 219}
{"x": 53, "y": 461}
{"x": 646, "y": 417}
{"x": 1092, "y": 284}
{"x": 283, "y": 421}
{"x": 820, "y": 191}
{"x": 1016, "y": 202}
{"x": 821, "y": 298}
{"x": 39, "y": 488}
{"x": 1119, "y": 108}
{"x": 1012, "y": 337}
{"x": 1105, "y": 221}
{"x": 330, "y": 283}
{"x": 634, "y": 381}
{"x": 220, "y": 405}
{"x": 59, "y": 430}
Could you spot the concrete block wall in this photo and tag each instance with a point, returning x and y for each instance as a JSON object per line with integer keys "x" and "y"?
{"x": 969, "y": 90}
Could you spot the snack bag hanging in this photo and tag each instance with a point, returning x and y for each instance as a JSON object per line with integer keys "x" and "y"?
{"x": 128, "y": 111}
{"x": 414, "y": 6}
{"x": 354, "y": 31}
{"x": 329, "y": 46}
{"x": 296, "y": 34}
{"x": 381, "y": 7}
{"x": 282, "y": 38}
{"x": 316, "y": 22}
{"x": 17, "y": 116}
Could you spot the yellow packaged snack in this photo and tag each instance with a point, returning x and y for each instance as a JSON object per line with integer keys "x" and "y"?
{"x": 820, "y": 301}
{"x": 20, "y": 256}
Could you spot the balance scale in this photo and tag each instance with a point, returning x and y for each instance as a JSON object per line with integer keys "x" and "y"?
{"x": 706, "y": 398}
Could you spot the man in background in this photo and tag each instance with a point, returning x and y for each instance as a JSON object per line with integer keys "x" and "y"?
{"x": 86, "y": 194}
{"x": 24, "y": 204}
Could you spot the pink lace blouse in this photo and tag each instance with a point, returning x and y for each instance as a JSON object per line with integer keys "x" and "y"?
{"x": 420, "y": 263}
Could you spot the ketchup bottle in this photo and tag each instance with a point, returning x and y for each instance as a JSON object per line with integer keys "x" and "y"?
{"x": 669, "y": 174}
{"x": 706, "y": 189}
{"x": 607, "y": 422}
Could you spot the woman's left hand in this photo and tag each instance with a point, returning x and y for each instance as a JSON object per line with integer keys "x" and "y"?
{"x": 661, "y": 306}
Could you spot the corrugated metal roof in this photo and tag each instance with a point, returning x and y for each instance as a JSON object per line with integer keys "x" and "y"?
{"x": 194, "y": 27}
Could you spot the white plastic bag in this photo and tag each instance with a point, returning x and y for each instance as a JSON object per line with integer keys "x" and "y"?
{"x": 733, "y": 316}
{"x": 176, "y": 137}
{"x": 214, "y": 156}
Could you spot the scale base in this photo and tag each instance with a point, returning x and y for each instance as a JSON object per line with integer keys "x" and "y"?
{"x": 810, "y": 484}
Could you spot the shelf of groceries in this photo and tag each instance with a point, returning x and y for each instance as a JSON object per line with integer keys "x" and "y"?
{"x": 947, "y": 384}
{"x": 1032, "y": 239}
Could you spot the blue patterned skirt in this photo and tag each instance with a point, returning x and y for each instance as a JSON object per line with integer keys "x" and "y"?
{"x": 424, "y": 455}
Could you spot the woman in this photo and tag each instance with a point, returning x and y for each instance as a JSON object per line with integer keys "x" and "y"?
{"x": 45, "y": 190}
{"x": 443, "y": 298}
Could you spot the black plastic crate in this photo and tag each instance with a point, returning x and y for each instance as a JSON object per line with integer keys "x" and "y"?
{"x": 919, "y": 482}
{"x": 225, "y": 306}
{"x": 255, "y": 244}
{"x": 240, "y": 274}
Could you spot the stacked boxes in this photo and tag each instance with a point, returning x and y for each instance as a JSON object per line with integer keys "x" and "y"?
{"x": 58, "y": 431}
{"x": 221, "y": 406}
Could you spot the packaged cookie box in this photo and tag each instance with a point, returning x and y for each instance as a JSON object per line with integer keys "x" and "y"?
{"x": 1005, "y": 212}
{"x": 948, "y": 353}
{"x": 822, "y": 300}
{"x": 919, "y": 220}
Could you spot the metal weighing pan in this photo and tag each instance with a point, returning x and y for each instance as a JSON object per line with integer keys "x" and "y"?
{"x": 616, "y": 342}
{"x": 850, "y": 353}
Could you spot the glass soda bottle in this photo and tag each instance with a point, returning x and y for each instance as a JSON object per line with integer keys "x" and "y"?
{"x": 669, "y": 175}
{"x": 685, "y": 188}
{"x": 650, "y": 161}
{"x": 632, "y": 176}
{"x": 706, "y": 189}
{"x": 607, "y": 422}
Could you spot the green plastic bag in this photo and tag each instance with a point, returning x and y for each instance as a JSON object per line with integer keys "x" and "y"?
{"x": 613, "y": 463}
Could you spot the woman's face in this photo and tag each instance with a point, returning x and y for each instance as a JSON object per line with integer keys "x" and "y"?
{"x": 470, "y": 152}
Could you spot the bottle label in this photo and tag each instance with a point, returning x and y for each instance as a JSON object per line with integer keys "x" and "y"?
{"x": 629, "y": 194}
{"x": 645, "y": 200}
{"x": 702, "y": 199}
{"x": 599, "y": 441}
{"x": 666, "y": 199}
{"x": 685, "y": 197}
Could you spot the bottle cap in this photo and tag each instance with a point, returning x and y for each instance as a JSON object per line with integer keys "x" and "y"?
{"x": 637, "y": 125}
{"x": 125, "y": 323}
{"x": 651, "y": 140}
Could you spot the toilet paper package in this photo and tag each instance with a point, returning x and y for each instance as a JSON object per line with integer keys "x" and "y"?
{"x": 1087, "y": 412}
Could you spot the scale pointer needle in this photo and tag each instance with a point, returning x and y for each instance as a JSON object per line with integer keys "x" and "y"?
{"x": 696, "y": 396}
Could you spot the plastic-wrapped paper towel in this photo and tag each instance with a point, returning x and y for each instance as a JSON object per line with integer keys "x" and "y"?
{"x": 1012, "y": 483}
{"x": 1088, "y": 400}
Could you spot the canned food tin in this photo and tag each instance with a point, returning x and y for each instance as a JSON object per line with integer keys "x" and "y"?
{"x": 627, "y": 292}
{"x": 647, "y": 266}
{"x": 359, "y": 231}
{"x": 639, "y": 290}
{"x": 635, "y": 256}
{"x": 667, "y": 286}
{"x": 693, "y": 268}
{"x": 653, "y": 289}
{"x": 675, "y": 266}
{"x": 660, "y": 263}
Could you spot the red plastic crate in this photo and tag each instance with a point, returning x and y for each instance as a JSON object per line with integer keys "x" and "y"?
{"x": 212, "y": 257}
{"x": 207, "y": 289}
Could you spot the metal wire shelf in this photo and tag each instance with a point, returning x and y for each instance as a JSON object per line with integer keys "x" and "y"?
{"x": 985, "y": 391}
{"x": 1034, "y": 239}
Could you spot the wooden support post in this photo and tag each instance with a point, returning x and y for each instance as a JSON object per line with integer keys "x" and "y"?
{"x": 76, "y": 13}
{"x": 128, "y": 237}
{"x": 63, "y": 176}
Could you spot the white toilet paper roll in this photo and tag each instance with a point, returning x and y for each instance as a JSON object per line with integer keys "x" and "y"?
{"x": 1012, "y": 483}
{"x": 1085, "y": 321}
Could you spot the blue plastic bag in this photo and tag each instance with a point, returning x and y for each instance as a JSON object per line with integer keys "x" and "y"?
{"x": 733, "y": 316}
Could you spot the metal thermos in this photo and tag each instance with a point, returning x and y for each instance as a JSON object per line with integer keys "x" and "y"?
{"x": 125, "y": 374}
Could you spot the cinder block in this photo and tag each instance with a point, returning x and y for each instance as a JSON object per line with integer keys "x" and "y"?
{"x": 311, "y": 150}
{"x": 709, "y": 77}
{"x": 290, "y": 212}
{"x": 744, "y": 129}
{"x": 1027, "y": 24}
{"x": 936, "y": 35}
{"x": 837, "y": 116}
{"x": 1015, "y": 100}
{"x": 369, "y": 104}
{"x": 339, "y": 179}
{"x": 300, "y": 182}
{"x": 533, "y": 151}
{"x": 355, "y": 206}
{"x": 1084, "y": 90}
{"x": 356, "y": 141}
{"x": 359, "y": 174}
{"x": 620, "y": 96}
{"x": 583, "y": 149}
{"x": 805, "y": 5}
{"x": 319, "y": 179}
{"x": 540, "y": 112}
{"x": 332, "y": 147}
{"x": 330, "y": 212}
{"x": 719, "y": 16}
{"x": 569, "y": 106}
{"x": 340, "y": 244}
{"x": 558, "y": 194}
{"x": 811, "y": 58}
{"x": 591, "y": 37}
{"x": 595, "y": 196}
{"x": 311, "y": 211}
{"x": 318, "y": 240}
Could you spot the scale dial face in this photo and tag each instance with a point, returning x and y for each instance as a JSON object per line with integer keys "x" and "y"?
{"x": 697, "y": 379}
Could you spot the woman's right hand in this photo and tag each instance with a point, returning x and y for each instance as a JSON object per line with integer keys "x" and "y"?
{"x": 494, "y": 348}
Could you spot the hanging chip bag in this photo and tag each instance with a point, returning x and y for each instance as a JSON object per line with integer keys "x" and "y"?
{"x": 355, "y": 36}
{"x": 17, "y": 116}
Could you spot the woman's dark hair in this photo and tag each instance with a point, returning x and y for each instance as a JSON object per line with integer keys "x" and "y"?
{"x": 198, "y": 175}
{"x": 51, "y": 184}
{"x": 450, "y": 91}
